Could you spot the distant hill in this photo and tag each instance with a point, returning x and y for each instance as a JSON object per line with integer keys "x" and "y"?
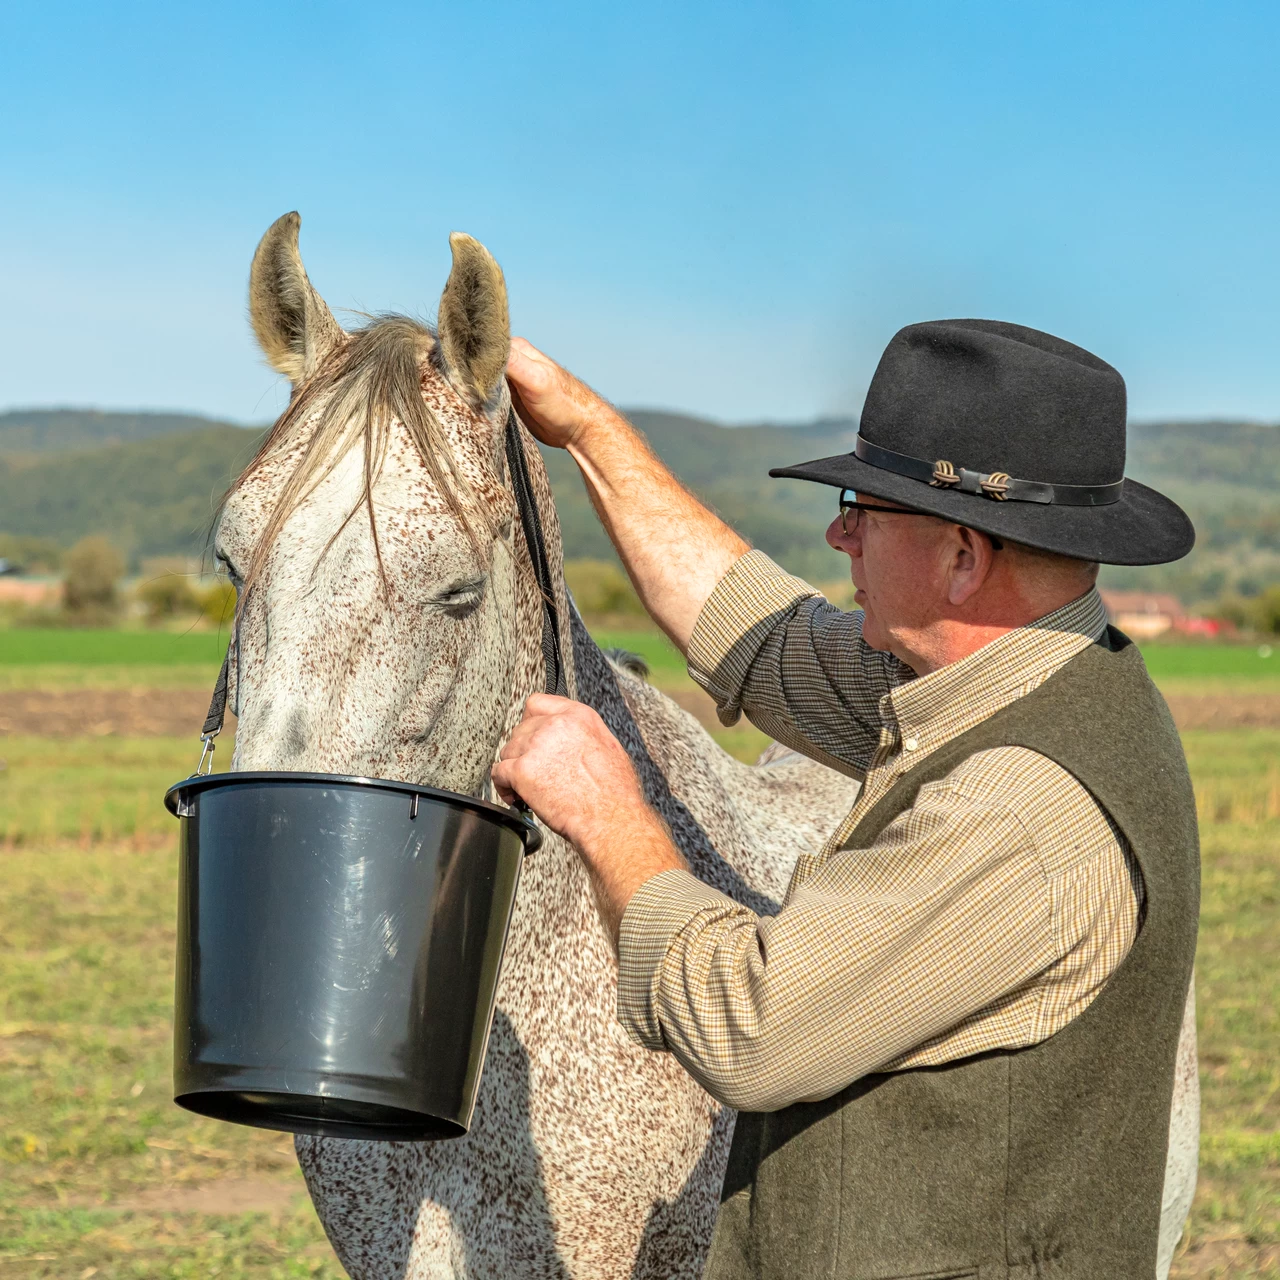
{"x": 150, "y": 496}
{"x": 728, "y": 467}
{"x": 1225, "y": 475}
{"x": 27, "y": 432}
{"x": 1235, "y": 453}
{"x": 150, "y": 482}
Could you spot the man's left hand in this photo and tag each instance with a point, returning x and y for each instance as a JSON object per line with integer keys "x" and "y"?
{"x": 563, "y": 762}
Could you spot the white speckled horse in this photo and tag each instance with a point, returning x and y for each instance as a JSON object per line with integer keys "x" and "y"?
{"x": 391, "y": 627}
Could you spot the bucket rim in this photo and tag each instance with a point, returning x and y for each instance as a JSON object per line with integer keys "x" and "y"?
{"x": 209, "y": 781}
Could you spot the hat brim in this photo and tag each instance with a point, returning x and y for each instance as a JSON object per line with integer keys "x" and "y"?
{"x": 1143, "y": 527}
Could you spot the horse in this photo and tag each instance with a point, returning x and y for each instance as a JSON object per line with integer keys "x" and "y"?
{"x": 389, "y": 624}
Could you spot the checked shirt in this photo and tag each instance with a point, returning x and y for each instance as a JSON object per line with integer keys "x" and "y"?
{"x": 986, "y": 916}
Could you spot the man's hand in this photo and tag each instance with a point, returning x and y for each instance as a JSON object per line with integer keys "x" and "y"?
{"x": 552, "y": 403}
{"x": 673, "y": 548}
{"x": 563, "y": 762}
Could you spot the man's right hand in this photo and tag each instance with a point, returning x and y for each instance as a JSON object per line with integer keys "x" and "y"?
{"x": 551, "y": 402}
{"x": 674, "y": 548}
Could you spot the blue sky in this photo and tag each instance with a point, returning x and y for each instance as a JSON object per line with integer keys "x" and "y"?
{"x": 725, "y": 208}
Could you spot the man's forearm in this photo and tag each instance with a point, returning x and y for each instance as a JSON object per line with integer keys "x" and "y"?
{"x": 621, "y": 860}
{"x": 674, "y": 549}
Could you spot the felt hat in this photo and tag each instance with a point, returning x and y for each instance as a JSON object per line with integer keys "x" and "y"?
{"x": 1010, "y": 431}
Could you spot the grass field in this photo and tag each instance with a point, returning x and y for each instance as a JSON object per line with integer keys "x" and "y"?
{"x": 98, "y": 648}
{"x": 90, "y": 1135}
{"x": 91, "y": 659}
{"x": 102, "y": 1177}
{"x": 1210, "y": 666}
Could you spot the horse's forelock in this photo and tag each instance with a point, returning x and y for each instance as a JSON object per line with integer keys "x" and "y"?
{"x": 374, "y": 377}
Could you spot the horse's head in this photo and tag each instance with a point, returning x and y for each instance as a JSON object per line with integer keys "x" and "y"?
{"x": 387, "y": 620}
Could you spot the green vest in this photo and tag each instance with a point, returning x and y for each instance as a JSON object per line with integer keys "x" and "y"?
{"x": 1045, "y": 1162}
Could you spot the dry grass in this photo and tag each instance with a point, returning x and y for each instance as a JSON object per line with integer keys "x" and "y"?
{"x": 94, "y": 1156}
{"x": 90, "y": 792}
{"x": 97, "y": 1167}
{"x": 1235, "y": 1222}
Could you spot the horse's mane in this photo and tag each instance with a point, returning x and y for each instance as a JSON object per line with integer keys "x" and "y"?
{"x": 375, "y": 377}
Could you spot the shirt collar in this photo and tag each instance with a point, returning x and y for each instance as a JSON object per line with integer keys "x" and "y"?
{"x": 946, "y": 702}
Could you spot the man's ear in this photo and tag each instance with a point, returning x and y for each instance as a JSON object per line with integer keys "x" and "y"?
{"x": 295, "y": 329}
{"x": 475, "y": 329}
{"x": 973, "y": 558}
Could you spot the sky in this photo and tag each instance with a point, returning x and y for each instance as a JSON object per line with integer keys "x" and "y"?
{"x": 721, "y": 208}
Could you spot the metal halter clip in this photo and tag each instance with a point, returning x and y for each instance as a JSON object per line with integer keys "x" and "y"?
{"x": 206, "y": 754}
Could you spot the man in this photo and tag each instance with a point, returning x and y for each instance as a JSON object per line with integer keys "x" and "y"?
{"x": 954, "y": 1046}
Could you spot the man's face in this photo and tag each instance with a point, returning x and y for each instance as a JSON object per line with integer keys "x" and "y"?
{"x": 898, "y": 565}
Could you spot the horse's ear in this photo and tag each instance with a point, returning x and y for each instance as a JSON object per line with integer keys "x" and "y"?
{"x": 475, "y": 330}
{"x": 295, "y": 329}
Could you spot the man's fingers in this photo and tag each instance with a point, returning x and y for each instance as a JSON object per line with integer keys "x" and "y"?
{"x": 523, "y": 349}
{"x": 548, "y": 398}
{"x": 540, "y": 710}
{"x": 518, "y": 744}
{"x": 548, "y": 704}
{"x": 504, "y": 782}
{"x": 532, "y": 373}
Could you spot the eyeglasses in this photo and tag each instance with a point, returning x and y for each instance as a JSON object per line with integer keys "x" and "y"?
{"x": 849, "y": 504}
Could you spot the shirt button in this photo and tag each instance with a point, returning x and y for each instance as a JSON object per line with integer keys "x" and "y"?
{"x": 911, "y": 743}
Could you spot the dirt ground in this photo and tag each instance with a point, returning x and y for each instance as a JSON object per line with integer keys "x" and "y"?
{"x": 66, "y": 713}
{"x": 126, "y": 713}
{"x": 222, "y": 1195}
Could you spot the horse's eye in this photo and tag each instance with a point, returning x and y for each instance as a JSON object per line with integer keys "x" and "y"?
{"x": 460, "y": 598}
{"x": 222, "y": 559}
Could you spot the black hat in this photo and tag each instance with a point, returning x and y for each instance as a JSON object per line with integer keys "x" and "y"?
{"x": 1007, "y": 430}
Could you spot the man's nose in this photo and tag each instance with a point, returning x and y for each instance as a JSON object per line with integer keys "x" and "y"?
{"x": 838, "y": 540}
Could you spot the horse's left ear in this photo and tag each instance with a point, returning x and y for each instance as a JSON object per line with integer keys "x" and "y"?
{"x": 295, "y": 329}
{"x": 475, "y": 328}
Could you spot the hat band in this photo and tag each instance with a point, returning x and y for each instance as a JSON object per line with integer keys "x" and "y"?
{"x": 990, "y": 484}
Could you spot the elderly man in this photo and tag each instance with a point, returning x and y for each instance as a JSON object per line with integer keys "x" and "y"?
{"x": 953, "y": 1048}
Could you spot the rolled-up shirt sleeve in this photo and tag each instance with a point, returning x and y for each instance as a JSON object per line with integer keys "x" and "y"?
{"x": 769, "y": 644}
{"x": 767, "y": 1011}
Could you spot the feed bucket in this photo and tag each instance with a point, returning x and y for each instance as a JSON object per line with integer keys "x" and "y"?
{"x": 339, "y": 941}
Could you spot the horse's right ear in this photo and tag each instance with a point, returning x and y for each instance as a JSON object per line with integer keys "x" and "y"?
{"x": 475, "y": 331}
{"x": 295, "y": 329}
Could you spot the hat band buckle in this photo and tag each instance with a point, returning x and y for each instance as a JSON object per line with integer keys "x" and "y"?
{"x": 993, "y": 484}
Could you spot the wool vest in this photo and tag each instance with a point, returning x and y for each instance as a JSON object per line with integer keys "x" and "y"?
{"x": 1044, "y": 1162}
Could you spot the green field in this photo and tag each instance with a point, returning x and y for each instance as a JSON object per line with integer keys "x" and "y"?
{"x": 664, "y": 659}
{"x": 1213, "y": 665}
{"x": 91, "y": 791}
{"x": 95, "y": 1160}
{"x": 58, "y": 646}
{"x": 37, "y": 657}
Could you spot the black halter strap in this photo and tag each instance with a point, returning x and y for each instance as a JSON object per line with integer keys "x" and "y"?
{"x": 530, "y": 522}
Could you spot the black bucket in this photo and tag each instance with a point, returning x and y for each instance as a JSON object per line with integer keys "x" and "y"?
{"x": 339, "y": 941}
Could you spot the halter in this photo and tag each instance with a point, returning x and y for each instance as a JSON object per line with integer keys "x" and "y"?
{"x": 530, "y": 522}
